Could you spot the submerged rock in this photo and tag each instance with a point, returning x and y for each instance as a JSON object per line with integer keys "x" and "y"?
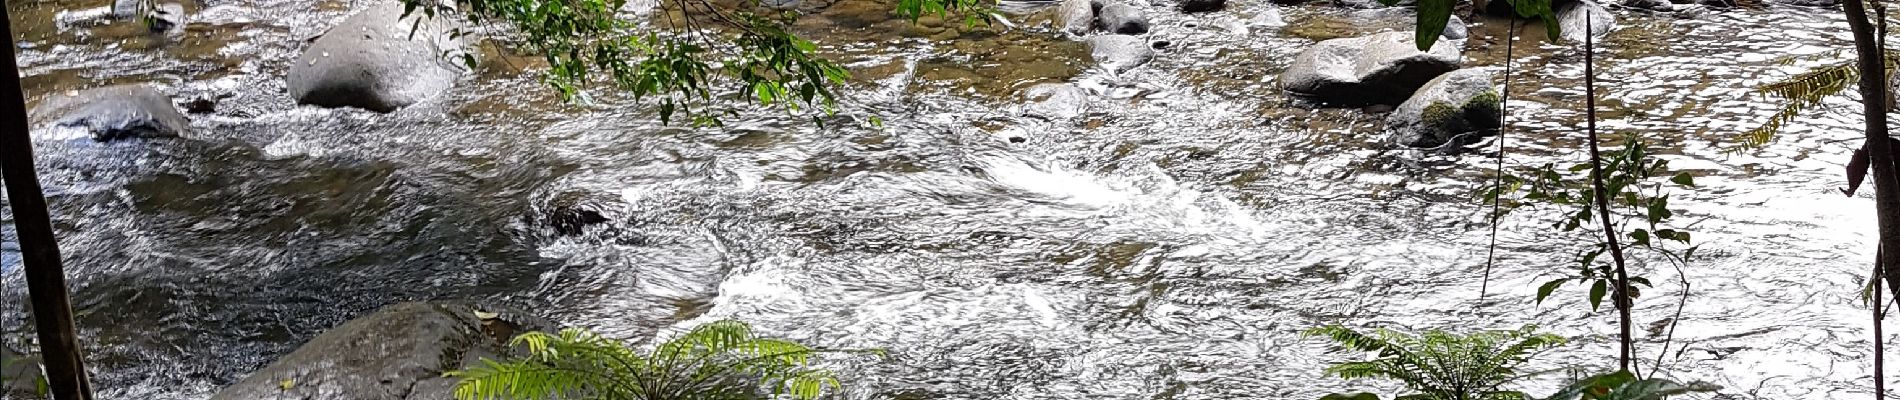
{"x": 1406, "y": 18}
{"x": 1121, "y": 18}
{"x": 1652, "y": 5}
{"x": 1119, "y": 53}
{"x": 1373, "y": 3}
{"x": 1383, "y": 68}
{"x": 114, "y": 112}
{"x": 1807, "y": 3}
{"x": 397, "y": 353}
{"x": 1571, "y": 18}
{"x": 1196, "y": 6}
{"x": 1269, "y": 17}
{"x": 1051, "y": 101}
{"x": 1461, "y": 103}
{"x": 19, "y": 374}
{"x": 371, "y": 61}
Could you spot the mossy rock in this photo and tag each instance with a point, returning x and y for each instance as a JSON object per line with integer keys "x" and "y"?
{"x": 1455, "y": 105}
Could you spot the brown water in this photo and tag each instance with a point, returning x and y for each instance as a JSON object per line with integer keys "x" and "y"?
{"x": 1169, "y": 246}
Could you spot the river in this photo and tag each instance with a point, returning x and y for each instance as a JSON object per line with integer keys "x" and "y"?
{"x": 1171, "y": 245}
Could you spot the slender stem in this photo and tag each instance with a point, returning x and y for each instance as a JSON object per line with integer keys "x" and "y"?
{"x": 1880, "y": 381}
{"x": 1497, "y": 199}
{"x": 1618, "y": 296}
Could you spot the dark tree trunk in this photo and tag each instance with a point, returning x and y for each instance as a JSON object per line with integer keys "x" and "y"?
{"x": 45, "y": 278}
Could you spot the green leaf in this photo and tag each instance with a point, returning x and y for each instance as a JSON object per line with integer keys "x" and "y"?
{"x": 1552, "y": 27}
{"x": 1596, "y": 294}
{"x": 1683, "y": 179}
{"x": 1641, "y": 237}
{"x": 1433, "y": 15}
{"x": 1548, "y": 287}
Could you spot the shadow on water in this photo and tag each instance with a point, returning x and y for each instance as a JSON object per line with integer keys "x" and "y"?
{"x": 1169, "y": 243}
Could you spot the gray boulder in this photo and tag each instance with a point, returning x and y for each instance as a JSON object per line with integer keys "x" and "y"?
{"x": 397, "y": 353}
{"x": 114, "y": 112}
{"x": 1121, "y": 18}
{"x": 1571, "y": 19}
{"x": 1119, "y": 53}
{"x": 1383, "y": 68}
{"x": 371, "y": 61}
{"x": 1078, "y": 16}
{"x": 1458, "y": 104}
{"x": 1056, "y": 102}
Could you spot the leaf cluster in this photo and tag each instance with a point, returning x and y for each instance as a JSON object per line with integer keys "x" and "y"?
{"x": 1632, "y": 182}
{"x": 682, "y": 69}
{"x": 1433, "y": 15}
{"x": 721, "y": 360}
{"x": 1438, "y": 365}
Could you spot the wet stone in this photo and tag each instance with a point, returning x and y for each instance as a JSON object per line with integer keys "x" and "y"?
{"x": 114, "y": 113}
{"x": 396, "y": 353}
{"x": 372, "y": 61}
{"x": 1383, "y": 68}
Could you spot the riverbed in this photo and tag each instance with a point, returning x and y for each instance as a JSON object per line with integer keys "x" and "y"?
{"x": 1169, "y": 244}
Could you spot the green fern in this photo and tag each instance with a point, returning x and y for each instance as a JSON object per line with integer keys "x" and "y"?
{"x": 721, "y": 360}
{"x": 1623, "y": 385}
{"x": 1440, "y": 365}
{"x": 1805, "y": 91}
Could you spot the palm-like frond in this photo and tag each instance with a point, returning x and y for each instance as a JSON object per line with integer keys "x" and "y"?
{"x": 1805, "y": 91}
{"x": 716, "y": 361}
{"x": 1440, "y": 365}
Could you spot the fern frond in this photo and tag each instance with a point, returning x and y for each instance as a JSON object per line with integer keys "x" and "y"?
{"x": 716, "y": 361}
{"x": 1441, "y": 365}
{"x": 1350, "y": 339}
{"x": 518, "y": 380}
{"x": 1805, "y": 91}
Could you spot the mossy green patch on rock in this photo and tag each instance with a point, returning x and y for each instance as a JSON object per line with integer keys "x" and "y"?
{"x": 1440, "y": 114}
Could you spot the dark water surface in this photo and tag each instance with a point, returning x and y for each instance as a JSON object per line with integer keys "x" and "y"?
{"x": 1170, "y": 245}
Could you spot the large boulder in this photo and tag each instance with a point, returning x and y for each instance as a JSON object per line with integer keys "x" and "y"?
{"x": 1383, "y": 68}
{"x": 1458, "y": 104}
{"x": 371, "y": 61}
{"x": 397, "y": 353}
{"x": 1571, "y": 18}
{"x": 1078, "y": 16}
{"x": 114, "y": 112}
{"x": 1119, "y": 53}
{"x": 1121, "y": 18}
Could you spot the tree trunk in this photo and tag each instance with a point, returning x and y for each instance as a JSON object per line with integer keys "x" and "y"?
{"x": 39, "y": 251}
{"x": 1873, "y": 93}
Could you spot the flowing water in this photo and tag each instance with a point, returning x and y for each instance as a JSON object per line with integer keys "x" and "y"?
{"x": 1171, "y": 244}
